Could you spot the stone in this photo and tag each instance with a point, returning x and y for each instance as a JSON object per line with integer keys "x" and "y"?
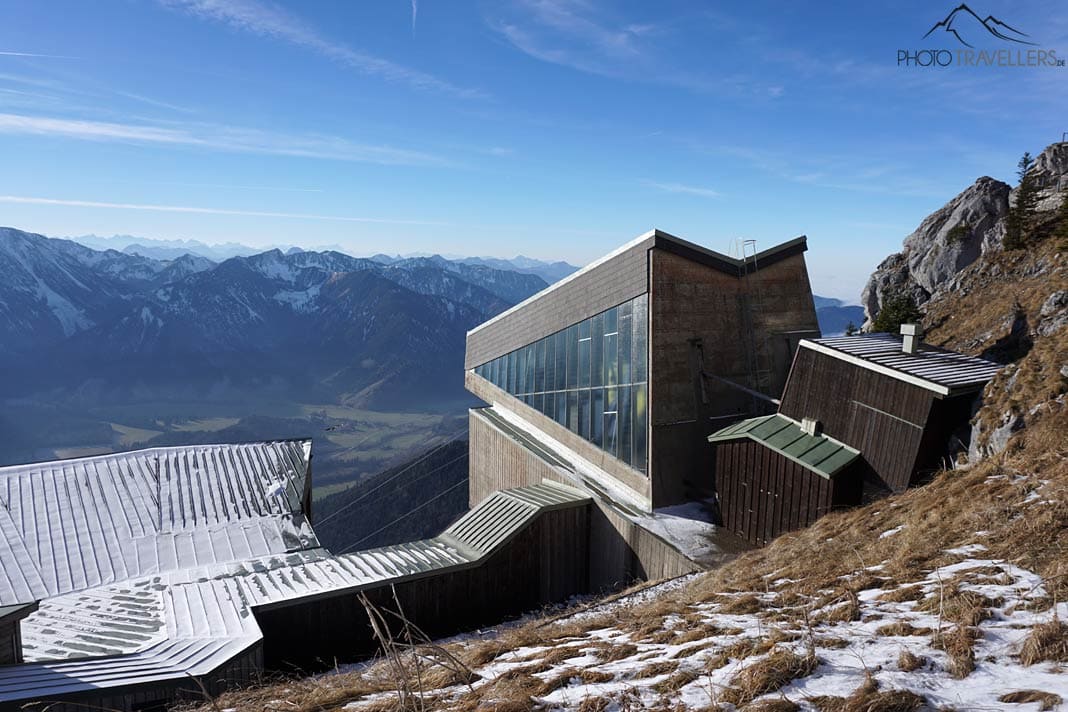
{"x": 947, "y": 241}
{"x": 1050, "y": 174}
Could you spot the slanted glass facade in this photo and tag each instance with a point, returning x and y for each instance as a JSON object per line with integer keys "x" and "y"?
{"x": 591, "y": 377}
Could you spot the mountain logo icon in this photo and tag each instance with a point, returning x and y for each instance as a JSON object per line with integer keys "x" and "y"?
{"x": 964, "y": 24}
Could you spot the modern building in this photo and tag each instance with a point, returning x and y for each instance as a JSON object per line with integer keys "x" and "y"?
{"x": 874, "y": 410}
{"x": 134, "y": 580}
{"x": 613, "y": 378}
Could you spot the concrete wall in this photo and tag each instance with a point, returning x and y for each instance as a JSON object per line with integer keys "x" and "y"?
{"x": 619, "y": 550}
{"x": 634, "y": 479}
{"x": 701, "y": 318}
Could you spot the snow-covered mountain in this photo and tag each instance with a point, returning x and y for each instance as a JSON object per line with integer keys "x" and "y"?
{"x": 365, "y": 330}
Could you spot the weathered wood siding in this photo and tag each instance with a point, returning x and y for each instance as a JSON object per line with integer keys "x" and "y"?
{"x": 883, "y": 417}
{"x": 10, "y": 643}
{"x": 763, "y": 494}
{"x": 544, "y": 563}
{"x": 769, "y": 310}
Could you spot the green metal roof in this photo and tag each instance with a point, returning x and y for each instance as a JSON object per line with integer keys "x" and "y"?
{"x": 819, "y": 453}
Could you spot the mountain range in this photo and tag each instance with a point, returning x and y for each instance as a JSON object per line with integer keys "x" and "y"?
{"x": 367, "y": 332}
{"x": 370, "y": 332}
{"x": 173, "y": 249}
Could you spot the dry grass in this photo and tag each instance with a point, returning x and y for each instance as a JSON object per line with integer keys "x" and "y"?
{"x": 902, "y": 594}
{"x": 1045, "y": 700}
{"x": 959, "y": 645}
{"x": 768, "y": 675}
{"x": 675, "y": 682}
{"x": 663, "y": 667}
{"x": 955, "y": 605}
{"x": 901, "y": 629}
{"x": 1047, "y": 641}
{"x": 868, "y": 698}
{"x": 909, "y": 662}
{"x": 780, "y": 705}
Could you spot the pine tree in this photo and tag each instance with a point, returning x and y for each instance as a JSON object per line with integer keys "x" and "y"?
{"x": 851, "y": 329}
{"x": 1021, "y": 217}
{"x": 897, "y": 309}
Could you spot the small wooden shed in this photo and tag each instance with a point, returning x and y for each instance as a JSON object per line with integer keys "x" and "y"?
{"x": 894, "y": 399}
{"x": 774, "y": 475}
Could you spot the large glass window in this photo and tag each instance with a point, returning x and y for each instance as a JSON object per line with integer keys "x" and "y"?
{"x": 590, "y": 378}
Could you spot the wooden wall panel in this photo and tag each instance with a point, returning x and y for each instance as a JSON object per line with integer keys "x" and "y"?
{"x": 10, "y": 644}
{"x": 882, "y": 417}
{"x": 763, "y": 494}
{"x": 544, "y": 563}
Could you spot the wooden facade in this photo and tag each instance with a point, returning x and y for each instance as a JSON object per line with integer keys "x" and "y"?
{"x": 545, "y": 563}
{"x": 900, "y": 428}
{"x": 10, "y": 643}
{"x": 763, "y": 494}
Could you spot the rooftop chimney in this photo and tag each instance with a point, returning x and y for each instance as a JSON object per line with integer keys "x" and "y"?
{"x": 911, "y": 336}
{"x": 811, "y": 426}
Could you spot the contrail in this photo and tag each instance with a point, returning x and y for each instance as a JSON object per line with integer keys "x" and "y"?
{"x": 43, "y": 56}
{"x": 26, "y": 200}
{"x": 415, "y": 13}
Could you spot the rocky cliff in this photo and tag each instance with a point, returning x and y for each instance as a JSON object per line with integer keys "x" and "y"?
{"x": 957, "y": 234}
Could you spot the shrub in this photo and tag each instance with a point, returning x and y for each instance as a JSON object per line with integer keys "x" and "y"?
{"x": 959, "y": 232}
{"x": 897, "y": 309}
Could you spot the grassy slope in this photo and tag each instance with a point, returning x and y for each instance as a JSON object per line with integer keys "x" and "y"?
{"x": 772, "y": 624}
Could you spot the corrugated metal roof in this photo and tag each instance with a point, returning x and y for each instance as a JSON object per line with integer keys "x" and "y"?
{"x": 191, "y": 621}
{"x": 167, "y": 661}
{"x": 819, "y": 453}
{"x": 70, "y": 525}
{"x": 109, "y": 620}
{"x": 944, "y": 372}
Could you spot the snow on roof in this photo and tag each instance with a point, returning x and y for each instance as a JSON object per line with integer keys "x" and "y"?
{"x": 74, "y": 524}
{"x": 190, "y": 621}
{"x": 944, "y": 372}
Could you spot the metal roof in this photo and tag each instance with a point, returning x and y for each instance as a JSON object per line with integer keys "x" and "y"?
{"x": 821, "y": 454}
{"x": 944, "y": 372}
{"x": 75, "y": 524}
{"x": 190, "y": 621}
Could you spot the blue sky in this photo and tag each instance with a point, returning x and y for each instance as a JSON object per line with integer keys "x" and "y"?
{"x": 551, "y": 128}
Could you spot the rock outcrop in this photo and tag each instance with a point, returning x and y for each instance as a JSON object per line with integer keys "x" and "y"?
{"x": 946, "y": 242}
{"x": 955, "y": 235}
{"x": 1050, "y": 174}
